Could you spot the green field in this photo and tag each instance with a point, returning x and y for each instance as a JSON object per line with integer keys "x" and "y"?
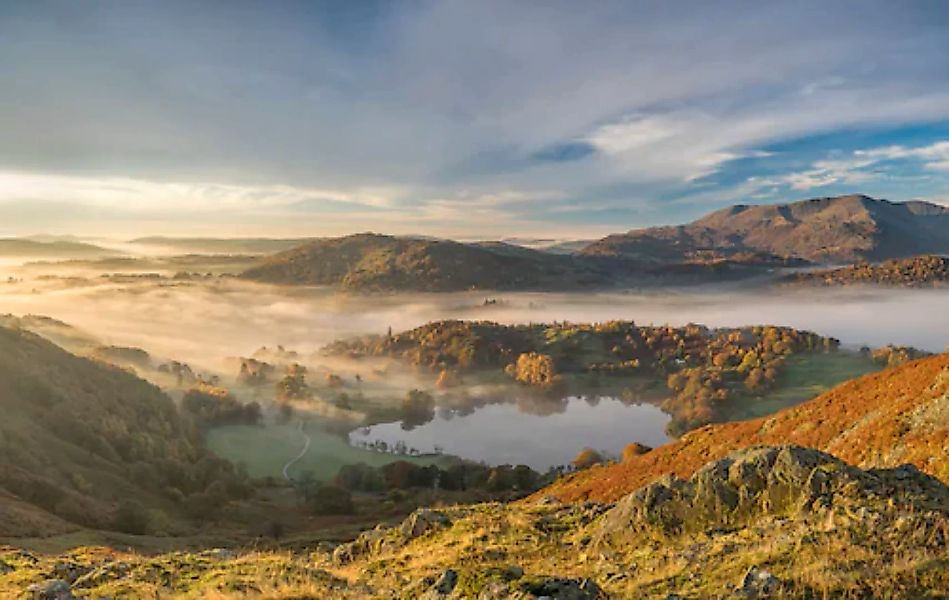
{"x": 803, "y": 377}
{"x": 264, "y": 450}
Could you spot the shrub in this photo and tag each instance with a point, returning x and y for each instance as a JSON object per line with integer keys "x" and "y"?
{"x": 131, "y": 517}
{"x": 587, "y": 458}
{"x": 331, "y": 500}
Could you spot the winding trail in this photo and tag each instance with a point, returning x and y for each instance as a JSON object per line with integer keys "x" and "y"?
{"x": 295, "y": 459}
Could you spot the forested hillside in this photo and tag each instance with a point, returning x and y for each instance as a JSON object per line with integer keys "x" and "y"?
{"x": 85, "y": 443}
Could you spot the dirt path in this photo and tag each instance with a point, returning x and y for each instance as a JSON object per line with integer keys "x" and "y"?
{"x": 295, "y": 459}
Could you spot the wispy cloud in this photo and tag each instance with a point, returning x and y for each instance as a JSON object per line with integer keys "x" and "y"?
{"x": 934, "y": 156}
{"x": 419, "y": 111}
{"x": 861, "y": 166}
{"x": 145, "y": 195}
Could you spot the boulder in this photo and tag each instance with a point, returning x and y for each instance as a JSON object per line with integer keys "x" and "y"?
{"x": 69, "y": 571}
{"x": 51, "y": 589}
{"x": 738, "y": 489}
{"x": 447, "y": 582}
{"x": 758, "y": 583}
{"x": 557, "y": 588}
{"x": 421, "y": 522}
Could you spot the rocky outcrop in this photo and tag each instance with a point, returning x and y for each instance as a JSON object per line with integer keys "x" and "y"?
{"x": 763, "y": 481}
{"x": 384, "y": 538}
{"x": 51, "y": 589}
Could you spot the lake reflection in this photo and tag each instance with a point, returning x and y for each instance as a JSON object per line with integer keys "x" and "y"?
{"x": 502, "y": 434}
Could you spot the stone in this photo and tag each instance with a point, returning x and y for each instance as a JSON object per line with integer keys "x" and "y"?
{"x": 557, "y": 588}
{"x": 69, "y": 571}
{"x": 758, "y": 583}
{"x": 447, "y": 582}
{"x": 51, "y": 589}
{"x": 421, "y": 522}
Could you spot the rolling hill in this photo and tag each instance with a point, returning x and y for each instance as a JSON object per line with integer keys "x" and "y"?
{"x": 80, "y": 439}
{"x": 918, "y": 271}
{"x": 221, "y": 245}
{"x": 885, "y": 419}
{"x": 380, "y": 262}
{"x": 764, "y": 522}
{"x": 825, "y": 230}
{"x": 32, "y": 248}
{"x": 812, "y": 502}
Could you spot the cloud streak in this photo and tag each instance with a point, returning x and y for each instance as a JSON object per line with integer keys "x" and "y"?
{"x": 167, "y": 109}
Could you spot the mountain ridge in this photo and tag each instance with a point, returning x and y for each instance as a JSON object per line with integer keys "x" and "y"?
{"x": 371, "y": 261}
{"x": 832, "y": 229}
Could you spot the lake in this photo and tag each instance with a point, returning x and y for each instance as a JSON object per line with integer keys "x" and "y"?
{"x": 500, "y": 434}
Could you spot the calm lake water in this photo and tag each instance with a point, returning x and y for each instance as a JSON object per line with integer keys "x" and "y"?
{"x": 502, "y": 434}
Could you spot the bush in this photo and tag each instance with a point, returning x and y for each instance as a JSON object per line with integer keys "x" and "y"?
{"x": 633, "y": 450}
{"x": 587, "y": 458}
{"x": 331, "y": 500}
{"x": 131, "y": 517}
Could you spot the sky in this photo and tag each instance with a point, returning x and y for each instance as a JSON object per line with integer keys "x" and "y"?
{"x": 469, "y": 119}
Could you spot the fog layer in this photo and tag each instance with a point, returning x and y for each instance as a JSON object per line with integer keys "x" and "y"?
{"x": 203, "y": 322}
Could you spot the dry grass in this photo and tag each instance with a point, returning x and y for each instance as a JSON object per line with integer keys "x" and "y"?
{"x": 867, "y": 422}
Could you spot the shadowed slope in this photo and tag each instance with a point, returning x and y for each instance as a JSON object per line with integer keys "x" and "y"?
{"x": 379, "y": 262}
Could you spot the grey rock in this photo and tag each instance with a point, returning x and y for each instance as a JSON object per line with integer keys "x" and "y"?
{"x": 421, "y": 522}
{"x": 758, "y": 583}
{"x": 51, "y": 589}
{"x": 103, "y": 574}
{"x": 69, "y": 571}
{"x": 740, "y": 488}
{"x": 564, "y": 589}
{"x": 447, "y": 582}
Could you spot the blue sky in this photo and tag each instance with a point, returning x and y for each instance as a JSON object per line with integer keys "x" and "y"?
{"x": 465, "y": 119}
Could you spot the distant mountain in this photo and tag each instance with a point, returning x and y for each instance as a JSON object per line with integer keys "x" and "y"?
{"x": 371, "y": 261}
{"x": 883, "y": 419}
{"x": 222, "y": 245}
{"x": 84, "y": 444}
{"x": 918, "y": 271}
{"x": 550, "y": 245}
{"x": 31, "y": 248}
{"x": 827, "y": 230}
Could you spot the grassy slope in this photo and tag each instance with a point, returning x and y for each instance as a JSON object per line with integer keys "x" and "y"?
{"x": 75, "y": 433}
{"x": 803, "y": 377}
{"x": 864, "y": 535}
{"x": 896, "y": 416}
{"x": 265, "y": 450}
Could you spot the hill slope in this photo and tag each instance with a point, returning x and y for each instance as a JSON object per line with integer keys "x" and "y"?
{"x": 768, "y": 522}
{"x": 379, "y": 262}
{"x": 840, "y": 229}
{"x": 885, "y": 419}
{"x": 222, "y": 245}
{"x": 918, "y": 271}
{"x": 31, "y": 248}
{"x": 78, "y": 438}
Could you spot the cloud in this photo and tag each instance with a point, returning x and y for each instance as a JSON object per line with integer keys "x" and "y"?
{"x": 934, "y": 156}
{"x": 143, "y": 195}
{"x": 864, "y": 165}
{"x": 397, "y": 106}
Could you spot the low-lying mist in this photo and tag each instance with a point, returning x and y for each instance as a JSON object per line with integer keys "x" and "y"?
{"x": 210, "y": 321}
{"x": 204, "y": 322}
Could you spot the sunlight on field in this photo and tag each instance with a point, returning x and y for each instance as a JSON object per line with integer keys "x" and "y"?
{"x": 804, "y": 377}
{"x": 264, "y": 450}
